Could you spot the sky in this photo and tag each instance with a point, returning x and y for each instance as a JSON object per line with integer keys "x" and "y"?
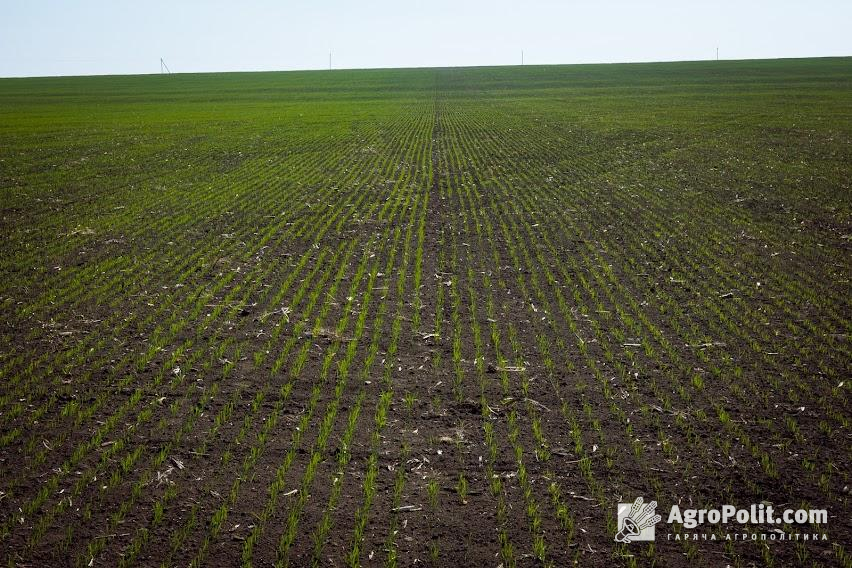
{"x": 91, "y": 37}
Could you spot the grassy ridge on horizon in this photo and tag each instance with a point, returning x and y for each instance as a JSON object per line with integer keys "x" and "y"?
{"x": 829, "y": 73}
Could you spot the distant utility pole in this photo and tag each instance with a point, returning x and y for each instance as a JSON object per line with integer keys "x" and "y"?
{"x": 522, "y": 57}
{"x": 163, "y": 67}
{"x": 329, "y": 60}
{"x": 717, "y": 54}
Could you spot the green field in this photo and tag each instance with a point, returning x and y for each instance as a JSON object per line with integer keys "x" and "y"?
{"x": 425, "y": 317}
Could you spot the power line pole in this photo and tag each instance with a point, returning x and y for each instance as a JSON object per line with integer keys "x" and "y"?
{"x": 329, "y": 60}
{"x": 164, "y": 68}
{"x": 717, "y": 54}
{"x": 522, "y": 57}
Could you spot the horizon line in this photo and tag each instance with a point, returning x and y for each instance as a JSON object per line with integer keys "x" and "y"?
{"x": 319, "y": 69}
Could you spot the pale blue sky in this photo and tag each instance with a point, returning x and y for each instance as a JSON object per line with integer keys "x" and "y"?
{"x": 82, "y": 37}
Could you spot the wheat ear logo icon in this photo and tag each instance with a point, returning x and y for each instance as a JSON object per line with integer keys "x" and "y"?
{"x": 640, "y": 517}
